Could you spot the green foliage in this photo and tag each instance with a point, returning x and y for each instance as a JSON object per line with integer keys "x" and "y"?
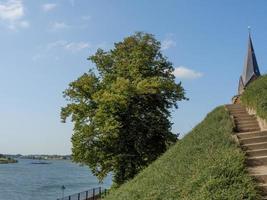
{"x": 121, "y": 113}
{"x": 6, "y": 160}
{"x": 255, "y": 96}
{"x": 206, "y": 164}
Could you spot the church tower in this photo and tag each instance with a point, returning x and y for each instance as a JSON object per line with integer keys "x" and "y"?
{"x": 251, "y": 69}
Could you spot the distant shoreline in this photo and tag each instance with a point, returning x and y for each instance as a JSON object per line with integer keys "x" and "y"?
{"x": 38, "y": 157}
{"x": 7, "y": 161}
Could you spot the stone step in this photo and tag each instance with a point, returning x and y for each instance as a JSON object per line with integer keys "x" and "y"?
{"x": 244, "y": 117}
{"x": 253, "y": 140}
{"x": 236, "y": 109}
{"x": 250, "y": 127}
{"x": 257, "y": 170}
{"x": 241, "y": 115}
{"x": 233, "y": 105}
{"x": 258, "y": 152}
{"x": 246, "y": 122}
{"x": 247, "y": 117}
{"x": 247, "y": 129}
{"x": 256, "y": 161}
{"x": 251, "y": 134}
{"x": 255, "y": 146}
{"x": 236, "y": 112}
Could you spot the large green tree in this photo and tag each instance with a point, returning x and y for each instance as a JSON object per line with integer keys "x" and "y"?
{"x": 121, "y": 110}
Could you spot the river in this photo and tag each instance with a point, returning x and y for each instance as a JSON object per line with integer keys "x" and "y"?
{"x": 26, "y": 181}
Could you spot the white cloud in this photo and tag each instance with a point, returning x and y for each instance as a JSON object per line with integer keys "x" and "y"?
{"x": 49, "y": 6}
{"x": 24, "y": 24}
{"x": 86, "y": 17}
{"x": 11, "y": 10}
{"x": 48, "y": 51}
{"x": 58, "y": 26}
{"x": 167, "y": 43}
{"x": 186, "y": 73}
{"x": 12, "y": 14}
{"x": 76, "y": 46}
{"x": 69, "y": 46}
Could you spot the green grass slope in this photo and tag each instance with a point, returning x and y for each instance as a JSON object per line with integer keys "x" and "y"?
{"x": 205, "y": 164}
{"x": 255, "y": 96}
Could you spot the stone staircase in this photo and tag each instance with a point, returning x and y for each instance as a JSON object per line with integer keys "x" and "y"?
{"x": 253, "y": 141}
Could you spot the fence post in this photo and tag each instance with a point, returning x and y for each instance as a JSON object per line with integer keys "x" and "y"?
{"x": 79, "y": 196}
{"x": 86, "y": 195}
{"x": 69, "y": 197}
{"x": 100, "y": 195}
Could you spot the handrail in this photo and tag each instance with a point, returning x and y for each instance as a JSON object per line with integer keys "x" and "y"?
{"x": 92, "y": 194}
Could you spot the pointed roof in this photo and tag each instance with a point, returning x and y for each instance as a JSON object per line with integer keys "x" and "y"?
{"x": 251, "y": 69}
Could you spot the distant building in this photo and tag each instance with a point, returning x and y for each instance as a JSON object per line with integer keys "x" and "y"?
{"x": 250, "y": 72}
{"x": 251, "y": 69}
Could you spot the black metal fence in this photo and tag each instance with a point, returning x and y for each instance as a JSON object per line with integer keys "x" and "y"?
{"x": 92, "y": 194}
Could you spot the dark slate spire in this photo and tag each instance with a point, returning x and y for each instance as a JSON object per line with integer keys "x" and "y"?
{"x": 251, "y": 70}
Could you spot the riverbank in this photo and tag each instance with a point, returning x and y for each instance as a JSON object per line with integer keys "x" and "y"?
{"x": 7, "y": 161}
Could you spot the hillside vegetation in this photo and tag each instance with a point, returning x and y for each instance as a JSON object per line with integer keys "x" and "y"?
{"x": 205, "y": 164}
{"x": 255, "y": 96}
{"x": 5, "y": 160}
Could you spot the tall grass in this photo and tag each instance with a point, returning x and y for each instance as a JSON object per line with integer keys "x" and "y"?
{"x": 255, "y": 96}
{"x": 205, "y": 164}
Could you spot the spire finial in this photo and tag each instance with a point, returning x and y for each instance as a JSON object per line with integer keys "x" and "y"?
{"x": 249, "y": 30}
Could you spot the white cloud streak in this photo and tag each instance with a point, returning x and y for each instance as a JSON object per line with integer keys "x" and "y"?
{"x": 11, "y": 10}
{"x": 186, "y": 73}
{"x": 69, "y": 46}
{"x": 48, "y": 7}
{"x": 12, "y": 14}
{"x": 58, "y": 26}
{"x": 167, "y": 43}
{"x": 47, "y": 51}
{"x": 86, "y": 18}
{"x": 76, "y": 46}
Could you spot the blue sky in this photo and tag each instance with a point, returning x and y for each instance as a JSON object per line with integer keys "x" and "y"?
{"x": 44, "y": 46}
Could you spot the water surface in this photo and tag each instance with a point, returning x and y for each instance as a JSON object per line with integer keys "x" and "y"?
{"x": 25, "y": 181}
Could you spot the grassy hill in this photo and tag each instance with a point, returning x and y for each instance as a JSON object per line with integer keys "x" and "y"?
{"x": 205, "y": 164}
{"x": 255, "y": 96}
